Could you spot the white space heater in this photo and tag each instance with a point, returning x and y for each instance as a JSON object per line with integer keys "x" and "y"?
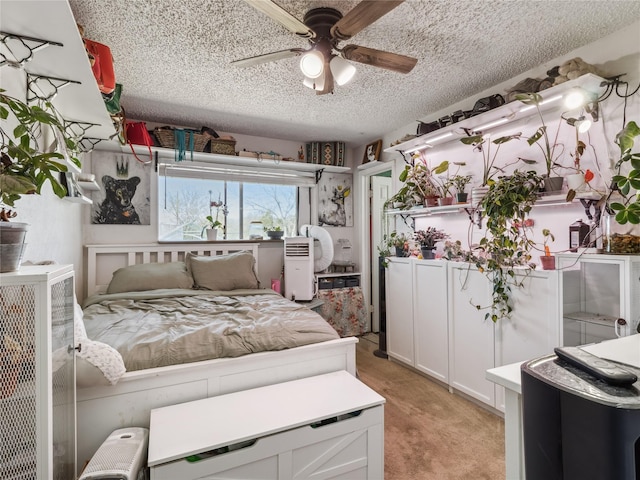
{"x": 298, "y": 268}
{"x": 122, "y": 456}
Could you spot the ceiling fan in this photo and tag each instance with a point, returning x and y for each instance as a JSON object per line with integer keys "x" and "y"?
{"x": 325, "y": 27}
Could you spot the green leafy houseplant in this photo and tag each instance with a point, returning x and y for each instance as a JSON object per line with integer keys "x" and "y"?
{"x": 506, "y": 206}
{"x": 484, "y": 145}
{"x": 25, "y": 165}
{"x": 550, "y": 150}
{"x": 429, "y": 237}
{"x": 460, "y": 182}
{"x": 623, "y": 199}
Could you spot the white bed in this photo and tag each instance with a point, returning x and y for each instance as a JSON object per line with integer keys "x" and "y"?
{"x": 102, "y": 409}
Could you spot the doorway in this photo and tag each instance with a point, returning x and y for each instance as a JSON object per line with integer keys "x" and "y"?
{"x": 376, "y": 186}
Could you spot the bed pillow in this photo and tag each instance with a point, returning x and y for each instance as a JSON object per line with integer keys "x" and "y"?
{"x": 150, "y": 276}
{"x": 224, "y": 272}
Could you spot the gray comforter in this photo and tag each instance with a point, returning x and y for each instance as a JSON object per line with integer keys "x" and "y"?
{"x": 167, "y": 327}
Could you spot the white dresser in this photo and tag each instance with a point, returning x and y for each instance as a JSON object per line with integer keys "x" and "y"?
{"x": 329, "y": 423}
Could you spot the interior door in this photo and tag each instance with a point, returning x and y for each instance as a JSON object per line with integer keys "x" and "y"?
{"x": 380, "y": 186}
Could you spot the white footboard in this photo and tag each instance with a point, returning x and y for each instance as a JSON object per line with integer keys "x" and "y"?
{"x": 100, "y": 410}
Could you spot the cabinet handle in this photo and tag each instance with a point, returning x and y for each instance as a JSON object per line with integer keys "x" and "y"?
{"x": 71, "y": 348}
{"x": 621, "y": 322}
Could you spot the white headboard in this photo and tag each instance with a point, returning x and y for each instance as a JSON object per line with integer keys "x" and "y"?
{"x": 103, "y": 260}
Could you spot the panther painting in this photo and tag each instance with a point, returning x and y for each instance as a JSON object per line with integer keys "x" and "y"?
{"x": 116, "y": 208}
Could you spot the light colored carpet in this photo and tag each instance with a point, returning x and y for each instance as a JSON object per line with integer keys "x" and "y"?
{"x": 429, "y": 433}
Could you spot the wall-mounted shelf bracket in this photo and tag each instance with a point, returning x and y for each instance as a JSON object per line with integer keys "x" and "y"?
{"x": 77, "y": 129}
{"x": 318, "y": 174}
{"x": 48, "y": 86}
{"x": 87, "y": 144}
{"x": 412, "y": 221}
{"x": 588, "y": 203}
{"x": 16, "y": 50}
{"x": 475, "y": 216}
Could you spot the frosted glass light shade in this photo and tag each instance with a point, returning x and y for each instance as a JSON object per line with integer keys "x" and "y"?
{"x": 312, "y": 64}
{"x": 583, "y": 125}
{"x": 342, "y": 70}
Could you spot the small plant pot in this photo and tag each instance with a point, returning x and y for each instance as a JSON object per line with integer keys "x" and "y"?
{"x": 275, "y": 235}
{"x": 553, "y": 184}
{"x": 442, "y": 201}
{"x": 477, "y": 194}
{"x": 428, "y": 253}
{"x": 399, "y": 251}
{"x": 576, "y": 182}
{"x": 548, "y": 262}
{"x": 212, "y": 234}
{"x": 462, "y": 197}
{"x": 431, "y": 201}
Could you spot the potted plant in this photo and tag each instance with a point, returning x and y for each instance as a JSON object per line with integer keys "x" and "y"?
{"x": 623, "y": 199}
{"x": 26, "y": 165}
{"x": 484, "y": 145}
{"x": 547, "y": 260}
{"x": 275, "y": 232}
{"x": 399, "y": 242}
{"x": 427, "y": 239}
{"x": 550, "y": 150}
{"x": 460, "y": 183}
{"x": 419, "y": 181}
{"x": 506, "y": 207}
{"x": 213, "y": 224}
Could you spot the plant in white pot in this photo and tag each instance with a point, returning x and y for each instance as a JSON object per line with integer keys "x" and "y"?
{"x": 26, "y": 165}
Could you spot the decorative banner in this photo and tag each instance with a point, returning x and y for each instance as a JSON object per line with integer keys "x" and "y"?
{"x": 124, "y": 196}
{"x": 326, "y": 153}
{"x": 335, "y": 202}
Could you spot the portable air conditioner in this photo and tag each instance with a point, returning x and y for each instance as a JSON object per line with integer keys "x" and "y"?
{"x": 122, "y": 456}
{"x": 298, "y": 268}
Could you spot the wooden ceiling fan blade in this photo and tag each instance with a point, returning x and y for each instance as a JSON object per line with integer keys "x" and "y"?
{"x": 268, "y": 57}
{"x": 379, "y": 58}
{"x": 284, "y": 18}
{"x": 361, "y": 16}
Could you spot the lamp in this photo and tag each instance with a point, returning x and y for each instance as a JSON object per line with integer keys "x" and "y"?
{"x": 578, "y": 97}
{"x": 312, "y": 64}
{"x": 342, "y": 70}
{"x": 581, "y": 123}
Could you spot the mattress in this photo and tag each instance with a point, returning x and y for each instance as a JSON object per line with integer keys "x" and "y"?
{"x": 167, "y": 327}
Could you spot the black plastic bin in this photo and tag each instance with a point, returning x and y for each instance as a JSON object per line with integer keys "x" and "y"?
{"x": 577, "y": 427}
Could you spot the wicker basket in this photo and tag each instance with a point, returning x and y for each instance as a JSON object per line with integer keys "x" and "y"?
{"x": 223, "y": 146}
{"x": 166, "y": 138}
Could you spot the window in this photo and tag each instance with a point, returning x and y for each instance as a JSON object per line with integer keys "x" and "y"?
{"x": 244, "y": 208}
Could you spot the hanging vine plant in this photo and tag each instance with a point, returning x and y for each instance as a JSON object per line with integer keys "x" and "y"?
{"x": 506, "y": 206}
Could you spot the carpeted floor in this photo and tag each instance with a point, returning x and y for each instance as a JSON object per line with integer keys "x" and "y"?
{"x": 429, "y": 433}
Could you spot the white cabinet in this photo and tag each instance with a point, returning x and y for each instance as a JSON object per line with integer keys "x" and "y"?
{"x": 471, "y": 336}
{"x": 601, "y": 296}
{"x": 399, "y": 299}
{"x": 37, "y": 410}
{"x": 430, "y": 323}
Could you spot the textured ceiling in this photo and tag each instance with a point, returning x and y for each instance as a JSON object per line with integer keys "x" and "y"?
{"x": 173, "y": 58}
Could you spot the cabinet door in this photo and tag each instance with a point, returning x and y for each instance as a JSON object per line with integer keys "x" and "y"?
{"x": 534, "y": 327}
{"x": 471, "y": 337}
{"x": 399, "y": 293}
{"x": 430, "y": 319}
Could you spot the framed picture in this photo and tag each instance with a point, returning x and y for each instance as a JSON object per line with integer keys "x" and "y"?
{"x": 372, "y": 152}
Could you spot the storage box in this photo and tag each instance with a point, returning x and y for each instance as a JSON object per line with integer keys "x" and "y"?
{"x": 352, "y": 281}
{"x": 223, "y": 146}
{"x": 267, "y": 432}
{"x": 325, "y": 283}
{"x": 326, "y": 153}
{"x": 339, "y": 283}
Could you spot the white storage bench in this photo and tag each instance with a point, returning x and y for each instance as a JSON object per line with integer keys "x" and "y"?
{"x": 327, "y": 426}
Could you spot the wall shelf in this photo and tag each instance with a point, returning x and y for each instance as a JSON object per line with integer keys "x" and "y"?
{"x": 214, "y": 158}
{"x": 502, "y": 115}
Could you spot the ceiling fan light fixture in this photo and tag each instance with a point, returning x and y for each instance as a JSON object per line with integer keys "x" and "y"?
{"x": 342, "y": 70}
{"x": 314, "y": 83}
{"x": 312, "y": 64}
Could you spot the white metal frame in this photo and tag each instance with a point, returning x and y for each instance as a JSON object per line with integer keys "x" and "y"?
{"x": 102, "y": 409}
